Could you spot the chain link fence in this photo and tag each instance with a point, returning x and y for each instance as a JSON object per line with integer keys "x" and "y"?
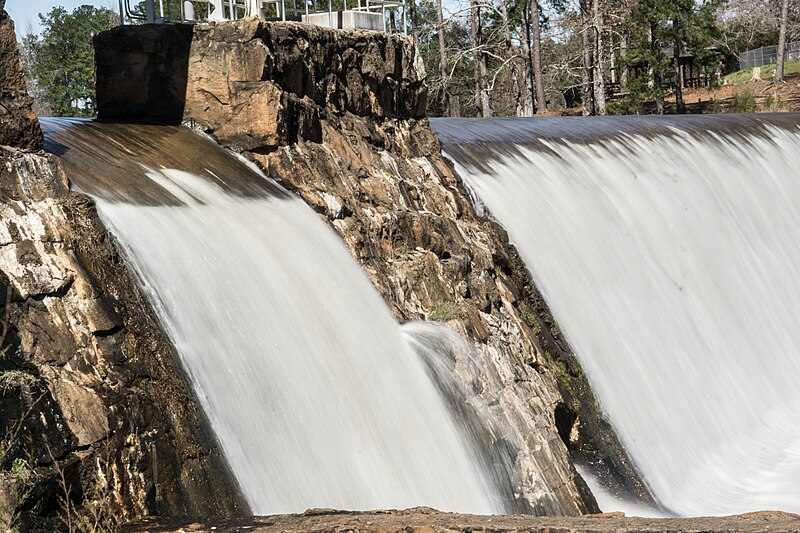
{"x": 768, "y": 55}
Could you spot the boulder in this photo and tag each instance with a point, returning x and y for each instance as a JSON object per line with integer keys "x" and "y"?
{"x": 18, "y": 124}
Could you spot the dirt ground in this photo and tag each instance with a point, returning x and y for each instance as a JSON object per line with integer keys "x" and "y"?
{"x": 767, "y": 97}
{"x": 424, "y": 520}
{"x": 749, "y": 96}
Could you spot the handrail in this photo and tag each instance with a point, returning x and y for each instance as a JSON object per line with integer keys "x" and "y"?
{"x": 235, "y": 9}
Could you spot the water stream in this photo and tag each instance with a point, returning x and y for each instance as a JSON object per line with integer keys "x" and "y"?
{"x": 316, "y": 395}
{"x": 668, "y": 251}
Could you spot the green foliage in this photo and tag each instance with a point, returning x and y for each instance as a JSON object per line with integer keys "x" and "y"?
{"x": 716, "y": 106}
{"x": 564, "y": 377}
{"x": 19, "y": 465}
{"x": 530, "y": 319}
{"x": 744, "y": 102}
{"x": 61, "y": 61}
{"x": 444, "y": 311}
{"x": 670, "y": 26}
{"x": 767, "y": 71}
{"x": 639, "y": 90}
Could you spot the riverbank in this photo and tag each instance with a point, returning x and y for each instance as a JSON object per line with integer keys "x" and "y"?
{"x": 424, "y": 520}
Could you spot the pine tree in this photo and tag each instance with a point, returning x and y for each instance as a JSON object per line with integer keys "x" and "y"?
{"x": 62, "y": 59}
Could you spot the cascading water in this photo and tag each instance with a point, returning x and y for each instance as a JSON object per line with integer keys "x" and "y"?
{"x": 313, "y": 391}
{"x": 668, "y": 250}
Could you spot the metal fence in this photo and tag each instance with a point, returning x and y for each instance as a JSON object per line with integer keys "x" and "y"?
{"x": 768, "y": 55}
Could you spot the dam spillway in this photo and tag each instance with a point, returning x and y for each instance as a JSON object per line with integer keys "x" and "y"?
{"x": 313, "y": 390}
{"x": 668, "y": 251}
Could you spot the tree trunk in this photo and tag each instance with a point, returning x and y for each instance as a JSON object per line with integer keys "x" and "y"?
{"x": 599, "y": 83}
{"x": 446, "y": 104}
{"x": 612, "y": 57}
{"x": 676, "y": 59}
{"x": 541, "y": 100}
{"x": 512, "y": 58}
{"x": 486, "y": 101}
{"x": 655, "y": 74}
{"x": 623, "y": 59}
{"x": 482, "y": 102}
{"x": 476, "y": 56}
{"x": 526, "y": 104}
{"x": 586, "y": 72}
{"x": 781, "y": 43}
{"x": 412, "y": 11}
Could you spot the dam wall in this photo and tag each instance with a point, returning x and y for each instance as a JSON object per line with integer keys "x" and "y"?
{"x": 337, "y": 117}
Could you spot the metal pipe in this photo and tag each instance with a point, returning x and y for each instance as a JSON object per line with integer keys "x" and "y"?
{"x": 121, "y": 14}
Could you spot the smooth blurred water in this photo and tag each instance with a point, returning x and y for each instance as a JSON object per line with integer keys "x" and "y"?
{"x": 316, "y": 395}
{"x": 669, "y": 253}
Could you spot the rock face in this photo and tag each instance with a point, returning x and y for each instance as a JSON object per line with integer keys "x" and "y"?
{"x": 92, "y": 410}
{"x": 337, "y": 117}
{"x": 18, "y": 124}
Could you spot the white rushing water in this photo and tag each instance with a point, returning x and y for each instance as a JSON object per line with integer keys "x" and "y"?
{"x": 316, "y": 396}
{"x": 615, "y": 503}
{"x": 672, "y": 264}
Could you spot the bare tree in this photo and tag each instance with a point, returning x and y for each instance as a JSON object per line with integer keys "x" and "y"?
{"x": 676, "y": 62}
{"x": 446, "y": 103}
{"x": 538, "y": 78}
{"x": 511, "y": 58}
{"x": 587, "y": 99}
{"x": 597, "y": 78}
{"x": 781, "y": 43}
{"x": 412, "y": 10}
{"x": 623, "y": 54}
{"x": 526, "y": 104}
{"x": 482, "y": 101}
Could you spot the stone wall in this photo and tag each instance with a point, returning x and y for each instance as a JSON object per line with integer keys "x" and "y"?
{"x": 338, "y": 118}
{"x": 92, "y": 409}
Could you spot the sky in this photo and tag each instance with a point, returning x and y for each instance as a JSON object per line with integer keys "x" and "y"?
{"x": 26, "y": 12}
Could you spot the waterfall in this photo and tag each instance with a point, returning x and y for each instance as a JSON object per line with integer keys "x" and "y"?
{"x": 668, "y": 251}
{"x": 314, "y": 392}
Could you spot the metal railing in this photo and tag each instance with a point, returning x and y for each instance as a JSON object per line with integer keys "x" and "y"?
{"x": 768, "y": 55}
{"x": 160, "y": 11}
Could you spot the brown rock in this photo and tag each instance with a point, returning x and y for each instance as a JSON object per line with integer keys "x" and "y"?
{"x": 18, "y": 124}
{"x": 83, "y": 410}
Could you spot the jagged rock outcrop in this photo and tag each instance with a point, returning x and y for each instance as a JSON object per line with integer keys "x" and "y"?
{"x": 92, "y": 410}
{"x": 18, "y": 124}
{"x": 338, "y": 117}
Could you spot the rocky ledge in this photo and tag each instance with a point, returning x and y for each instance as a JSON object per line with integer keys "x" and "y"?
{"x": 423, "y": 520}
